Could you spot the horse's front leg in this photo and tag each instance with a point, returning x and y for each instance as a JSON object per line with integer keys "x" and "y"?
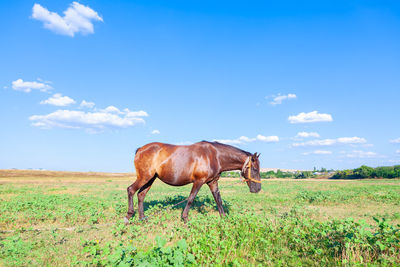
{"x": 217, "y": 196}
{"x": 195, "y": 189}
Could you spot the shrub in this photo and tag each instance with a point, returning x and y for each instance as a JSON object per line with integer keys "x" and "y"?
{"x": 120, "y": 255}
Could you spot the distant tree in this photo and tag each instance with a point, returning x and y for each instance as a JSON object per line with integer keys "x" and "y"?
{"x": 363, "y": 171}
{"x": 344, "y": 174}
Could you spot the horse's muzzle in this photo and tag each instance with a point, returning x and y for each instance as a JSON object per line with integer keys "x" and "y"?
{"x": 255, "y": 188}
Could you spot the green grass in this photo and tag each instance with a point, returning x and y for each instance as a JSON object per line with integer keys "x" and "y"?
{"x": 290, "y": 222}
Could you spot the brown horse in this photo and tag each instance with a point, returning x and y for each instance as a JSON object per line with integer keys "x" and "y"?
{"x": 200, "y": 163}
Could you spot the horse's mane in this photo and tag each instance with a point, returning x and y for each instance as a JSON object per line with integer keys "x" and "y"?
{"x": 229, "y": 147}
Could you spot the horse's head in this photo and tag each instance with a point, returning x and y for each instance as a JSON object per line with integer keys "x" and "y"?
{"x": 251, "y": 172}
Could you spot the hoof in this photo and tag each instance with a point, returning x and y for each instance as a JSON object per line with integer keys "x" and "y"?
{"x": 126, "y": 220}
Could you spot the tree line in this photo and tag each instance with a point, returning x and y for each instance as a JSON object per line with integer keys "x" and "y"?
{"x": 369, "y": 172}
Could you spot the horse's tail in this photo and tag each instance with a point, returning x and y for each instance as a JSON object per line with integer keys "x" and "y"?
{"x": 134, "y": 159}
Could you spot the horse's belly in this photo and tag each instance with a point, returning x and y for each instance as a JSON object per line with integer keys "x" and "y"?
{"x": 176, "y": 181}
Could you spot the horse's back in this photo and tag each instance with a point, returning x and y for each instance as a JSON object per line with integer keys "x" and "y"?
{"x": 151, "y": 149}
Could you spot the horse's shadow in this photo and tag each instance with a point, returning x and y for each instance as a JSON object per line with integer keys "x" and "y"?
{"x": 199, "y": 204}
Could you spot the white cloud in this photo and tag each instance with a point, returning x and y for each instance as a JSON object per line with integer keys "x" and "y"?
{"x": 395, "y": 141}
{"x": 112, "y": 109}
{"x": 279, "y": 98}
{"x": 86, "y": 104}
{"x": 323, "y": 142}
{"x": 318, "y": 152}
{"x": 330, "y": 142}
{"x": 20, "y": 85}
{"x": 131, "y": 114}
{"x": 155, "y": 132}
{"x": 92, "y": 121}
{"x": 398, "y": 151}
{"x": 272, "y": 138}
{"x": 307, "y": 134}
{"x": 361, "y": 154}
{"x": 310, "y": 117}
{"x": 245, "y": 139}
{"x": 351, "y": 140}
{"x": 58, "y": 100}
{"x": 77, "y": 19}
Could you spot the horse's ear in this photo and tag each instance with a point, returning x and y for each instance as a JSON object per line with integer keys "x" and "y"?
{"x": 255, "y": 156}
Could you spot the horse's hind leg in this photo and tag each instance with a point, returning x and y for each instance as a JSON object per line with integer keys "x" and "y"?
{"x": 139, "y": 183}
{"x": 217, "y": 196}
{"x": 141, "y": 195}
{"x": 195, "y": 189}
{"x": 131, "y": 191}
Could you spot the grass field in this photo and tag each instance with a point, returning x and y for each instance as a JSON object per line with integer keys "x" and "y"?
{"x": 56, "y": 218}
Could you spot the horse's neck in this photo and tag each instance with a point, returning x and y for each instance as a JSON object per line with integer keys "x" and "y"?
{"x": 232, "y": 160}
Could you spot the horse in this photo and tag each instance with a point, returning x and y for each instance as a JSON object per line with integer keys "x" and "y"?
{"x": 200, "y": 163}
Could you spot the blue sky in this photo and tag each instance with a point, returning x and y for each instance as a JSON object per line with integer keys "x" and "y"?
{"x": 306, "y": 84}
